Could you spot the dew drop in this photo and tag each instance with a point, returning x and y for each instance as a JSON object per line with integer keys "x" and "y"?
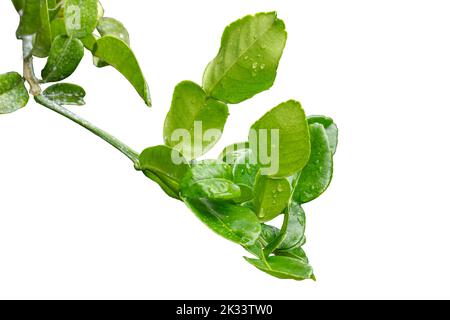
{"x": 262, "y": 66}
{"x": 255, "y": 65}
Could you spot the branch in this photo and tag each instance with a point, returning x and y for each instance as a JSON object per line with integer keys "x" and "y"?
{"x": 28, "y": 69}
{"x": 35, "y": 90}
{"x": 116, "y": 143}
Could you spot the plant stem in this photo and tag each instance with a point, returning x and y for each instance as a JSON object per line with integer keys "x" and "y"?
{"x": 116, "y": 143}
{"x": 28, "y": 69}
{"x": 35, "y": 90}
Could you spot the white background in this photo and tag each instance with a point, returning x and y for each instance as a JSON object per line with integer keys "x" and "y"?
{"x": 76, "y": 221}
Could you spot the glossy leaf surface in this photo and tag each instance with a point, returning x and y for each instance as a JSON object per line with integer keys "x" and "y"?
{"x": 80, "y": 17}
{"x": 166, "y": 185}
{"x": 208, "y": 169}
{"x": 119, "y": 55}
{"x": 233, "y": 152}
{"x": 166, "y": 165}
{"x": 66, "y": 94}
{"x": 112, "y": 27}
{"x": 13, "y": 94}
{"x": 195, "y": 122}
{"x": 267, "y": 236}
{"x": 235, "y": 223}
{"x": 284, "y": 268}
{"x": 284, "y": 133}
{"x": 271, "y": 197}
{"x": 296, "y": 253}
{"x": 213, "y": 189}
{"x": 65, "y": 56}
{"x": 209, "y": 179}
{"x": 331, "y": 129}
{"x": 246, "y": 194}
{"x": 248, "y": 58}
{"x": 43, "y": 41}
{"x": 244, "y": 170}
{"x": 295, "y": 230}
{"x": 58, "y": 27}
{"x": 315, "y": 178}
{"x": 89, "y": 42}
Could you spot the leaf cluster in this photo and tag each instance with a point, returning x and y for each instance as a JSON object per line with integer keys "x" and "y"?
{"x": 231, "y": 194}
{"x": 238, "y": 194}
{"x": 60, "y": 32}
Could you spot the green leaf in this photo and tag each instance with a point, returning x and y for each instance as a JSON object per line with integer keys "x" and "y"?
{"x": 19, "y": 5}
{"x": 233, "y": 152}
{"x": 100, "y": 11}
{"x": 287, "y": 244}
{"x": 65, "y": 94}
{"x": 235, "y": 223}
{"x": 208, "y": 169}
{"x": 195, "y": 122}
{"x": 80, "y": 17}
{"x": 316, "y": 177}
{"x": 296, "y": 253}
{"x": 331, "y": 129}
{"x": 89, "y": 42}
{"x": 209, "y": 179}
{"x": 113, "y": 27}
{"x": 13, "y": 94}
{"x": 213, "y": 189}
{"x": 54, "y": 9}
{"x": 117, "y": 53}
{"x": 30, "y": 19}
{"x": 58, "y": 28}
{"x": 65, "y": 56}
{"x": 283, "y": 133}
{"x": 166, "y": 187}
{"x": 292, "y": 233}
{"x": 99, "y": 63}
{"x": 44, "y": 37}
{"x": 165, "y": 166}
{"x": 246, "y": 194}
{"x": 271, "y": 197}
{"x": 248, "y": 58}
{"x": 267, "y": 236}
{"x": 244, "y": 170}
{"x": 284, "y": 268}
{"x": 295, "y": 230}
